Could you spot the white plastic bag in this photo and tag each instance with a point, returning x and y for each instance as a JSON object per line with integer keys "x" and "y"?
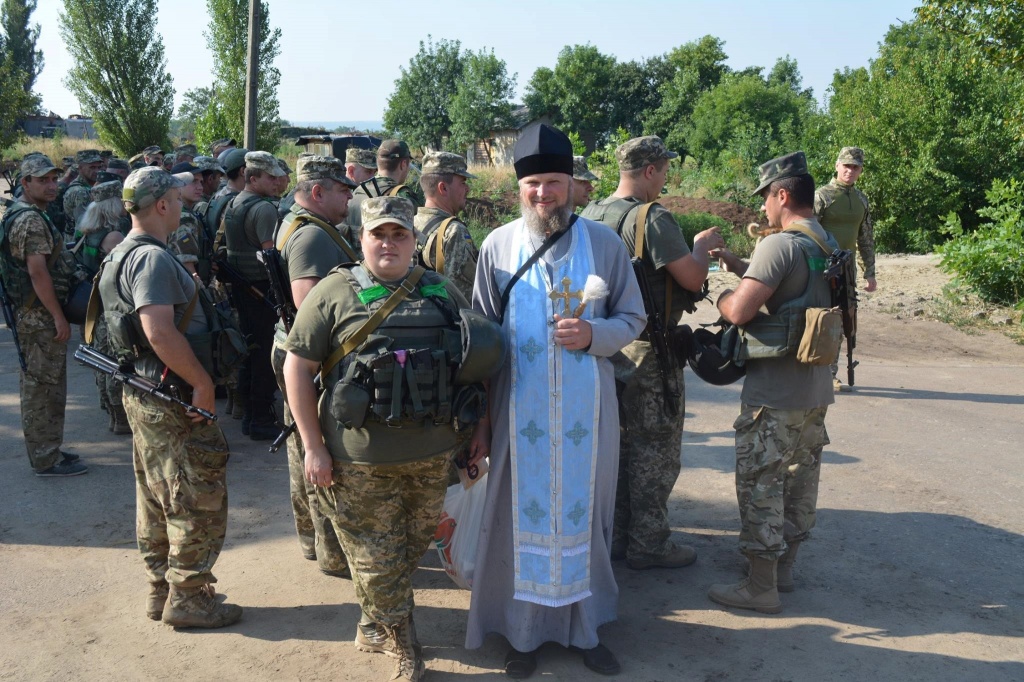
{"x": 459, "y": 530}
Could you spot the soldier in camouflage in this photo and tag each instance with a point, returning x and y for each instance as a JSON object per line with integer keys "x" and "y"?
{"x": 309, "y": 251}
{"x": 843, "y": 211}
{"x": 382, "y": 487}
{"x": 185, "y": 153}
{"x": 153, "y": 156}
{"x": 360, "y": 164}
{"x": 444, "y": 185}
{"x": 192, "y": 242}
{"x": 780, "y": 432}
{"x": 649, "y": 457}
{"x": 582, "y": 182}
{"x": 37, "y": 272}
{"x": 180, "y": 459}
{"x": 77, "y": 196}
{"x": 394, "y": 162}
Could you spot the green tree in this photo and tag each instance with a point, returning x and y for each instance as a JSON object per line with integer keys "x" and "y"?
{"x": 482, "y": 100}
{"x": 120, "y": 74}
{"x": 227, "y": 37}
{"x": 541, "y": 95}
{"x": 698, "y": 66}
{"x": 994, "y": 27}
{"x": 15, "y": 102}
{"x": 576, "y": 93}
{"x": 636, "y": 92}
{"x": 19, "y": 39}
{"x": 419, "y": 110}
{"x": 194, "y": 104}
{"x": 930, "y": 117}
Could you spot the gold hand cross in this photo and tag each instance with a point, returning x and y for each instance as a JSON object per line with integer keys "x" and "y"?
{"x": 565, "y": 295}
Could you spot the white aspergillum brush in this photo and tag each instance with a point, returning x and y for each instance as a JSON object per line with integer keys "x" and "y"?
{"x": 594, "y": 290}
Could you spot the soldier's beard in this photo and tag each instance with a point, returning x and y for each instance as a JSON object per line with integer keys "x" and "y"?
{"x": 541, "y": 226}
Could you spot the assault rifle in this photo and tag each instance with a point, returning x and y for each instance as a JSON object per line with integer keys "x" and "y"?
{"x": 290, "y": 429}
{"x": 228, "y": 274}
{"x": 90, "y": 357}
{"x": 841, "y": 279}
{"x": 12, "y": 324}
{"x": 279, "y": 286}
{"x": 657, "y": 334}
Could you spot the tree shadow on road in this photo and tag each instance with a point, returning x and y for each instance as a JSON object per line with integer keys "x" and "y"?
{"x": 917, "y": 394}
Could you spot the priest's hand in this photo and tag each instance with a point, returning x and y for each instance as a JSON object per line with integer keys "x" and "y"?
{"x": 319, "y": 466}
{"x": 573, "y": 333}
{"x": 480, "y": 443}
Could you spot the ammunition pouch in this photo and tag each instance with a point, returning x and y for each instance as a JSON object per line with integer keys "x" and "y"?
{"x": 412, "y": 386}
{"x": 770, "y": 336}
{"x": 223, "y": 348}
{"x": 350, "y": 399}
{"x": 823, "y": 334}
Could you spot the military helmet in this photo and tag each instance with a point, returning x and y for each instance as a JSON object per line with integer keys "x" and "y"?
{"x": 483, "y": 348}
{"x": 78, "y": 302}
{"x": 711, "y": 356}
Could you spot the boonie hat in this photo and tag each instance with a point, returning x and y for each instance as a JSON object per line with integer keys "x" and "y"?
{"x": 367, "y": 158}
{"x": 382, "y": 210}
{"x": 145, "y": 185}
{"x": 264, "y": 162}
{"x": 445, "y": 163}
{"x": 321, "y": 168}
{"x": 580, "y": 170}
{"x": 788, "y": 166}
{"x": 393, "y": 149}
{"x": 851, "y": 155}
{"x": 641, "y": 152}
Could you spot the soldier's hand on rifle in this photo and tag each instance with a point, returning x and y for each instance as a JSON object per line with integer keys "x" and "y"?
{"x": 203, "y": 397}
{"x": 573, "y": 333}
{"x": 871, "y": 284}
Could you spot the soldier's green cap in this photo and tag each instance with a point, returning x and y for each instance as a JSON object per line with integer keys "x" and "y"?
{"x": 382, "y": 210}
{"x": 789, "y": 166}
{"x": 145, "y": 185}
{"x": 851, "y": 155}
{"x": 187, "y": 149}
{"x": 284, "y": 166}
{"x": 106, "y": 154}
{"x": 580, "y": 170}
{"x": 367, "y": 158}
{"x": 68, "y": 161}
{"x": 264, "y": 162}
{"x": 36, "y": 166}
{"x": 322, "y": 168}
{"x": 106, "y": 190}
{"x": 118, "y": 164}
{"x": 393, "y": 149}
{"x": 88, "y": 156}
{"x": 208, "y": 163}
{"x": 445, "y": 163}
{"x": 641, "y": 152}
{"x": 152, "y": 149}
{"x": 234, "y": 159}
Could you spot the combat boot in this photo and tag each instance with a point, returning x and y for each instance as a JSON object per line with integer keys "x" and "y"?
{"x": 110, "y": 421}
{"x": 238, "y": 403}
{"x": 197, "y": 607}
{"x": 372, "y": 637}
{"x": 757, "y": 592}
{"x": 784, "y": 580}
{"x": 120, "y": 419}
{"x": 156, "y": 599}
{"x": 409, "y": 666}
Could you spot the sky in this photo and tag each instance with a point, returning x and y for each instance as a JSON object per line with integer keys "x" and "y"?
{"x": 337, "y": 67}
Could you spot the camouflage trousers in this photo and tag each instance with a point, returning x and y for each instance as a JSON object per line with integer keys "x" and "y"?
{"x": 778, "y": 463}
{"x": 109, "y": 390}
{"x": 649, "y": 456}
{"x": 316, "y": 534}
{"x": 386, "y": 517}
{"x": 44, "y": 393}
{"x": 181, "y": 504}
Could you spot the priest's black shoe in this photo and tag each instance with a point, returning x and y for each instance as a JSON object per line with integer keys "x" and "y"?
{"x": 601, "y": 660}
{"x": 520, "y": 664}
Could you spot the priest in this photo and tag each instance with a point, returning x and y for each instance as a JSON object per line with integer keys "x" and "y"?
{"x": 563, "y": 289}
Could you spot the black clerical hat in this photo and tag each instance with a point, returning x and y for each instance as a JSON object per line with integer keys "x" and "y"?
{"x": 542, "y": 149}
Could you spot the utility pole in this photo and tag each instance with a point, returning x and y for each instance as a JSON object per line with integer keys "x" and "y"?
{"x": 252, "y": 73}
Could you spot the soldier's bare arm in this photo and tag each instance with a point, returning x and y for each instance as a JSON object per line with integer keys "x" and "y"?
{"x": 42, "y": 283}
{"x": 866, "y": 247}
{"x": 691, "y": 270}
{"x": 301, "y": 288}
{"x": 740, "y": 306}
{"x": 173, "y": 350}
{"x": 302, "y": 399}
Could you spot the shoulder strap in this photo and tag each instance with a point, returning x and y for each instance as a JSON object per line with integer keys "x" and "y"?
{"x": 331, "y": 231}
{"x": 439, "y": 244}
{"x": 638, "y": 243}
{"x": 187, "y": 317}
{"x": 795, "y": 227}
{"x": 58, "y": 246}
{"x": 407, "y": 286}
{"x": 548, "y": 243}
{"x": 393, "y": 192}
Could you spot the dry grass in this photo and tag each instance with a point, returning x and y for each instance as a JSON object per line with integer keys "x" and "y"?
{"x": 56, "y": 149}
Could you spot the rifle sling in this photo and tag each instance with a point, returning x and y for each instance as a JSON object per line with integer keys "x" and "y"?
{"x": 407, "y": 286}
{"x": 439, "y": 244}
{"x": 331, "y": 231}
{"x": 548, "y": 243}
{"x": 639, "y": 233}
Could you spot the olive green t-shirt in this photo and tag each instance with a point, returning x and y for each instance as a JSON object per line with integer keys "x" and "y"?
{"x": 151, "y": 276}
{"x": 329, "y": 315}
{"x": 783, "y": 383}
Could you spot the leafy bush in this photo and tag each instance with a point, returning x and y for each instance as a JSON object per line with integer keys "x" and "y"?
{"x": 990, "y": 260}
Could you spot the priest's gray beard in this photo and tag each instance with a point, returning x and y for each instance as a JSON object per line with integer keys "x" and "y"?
{"x": 540, "y": 226}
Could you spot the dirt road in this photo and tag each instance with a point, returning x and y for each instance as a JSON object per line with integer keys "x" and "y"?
{"x": 913, "y": 573}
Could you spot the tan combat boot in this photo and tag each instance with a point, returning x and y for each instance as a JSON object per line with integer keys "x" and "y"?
{"x": 409, "y": 666}
{"x": 758, "y": 592}
{"x": 156, "y": 599}
{"x": 120, "y": 420}
{"x": 372, "y": 637}
{"x": 784, "y": 580}
{"x": 197, "y": 607}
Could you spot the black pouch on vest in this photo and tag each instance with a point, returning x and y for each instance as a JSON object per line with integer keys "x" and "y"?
{"x": 350, "y": 400}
